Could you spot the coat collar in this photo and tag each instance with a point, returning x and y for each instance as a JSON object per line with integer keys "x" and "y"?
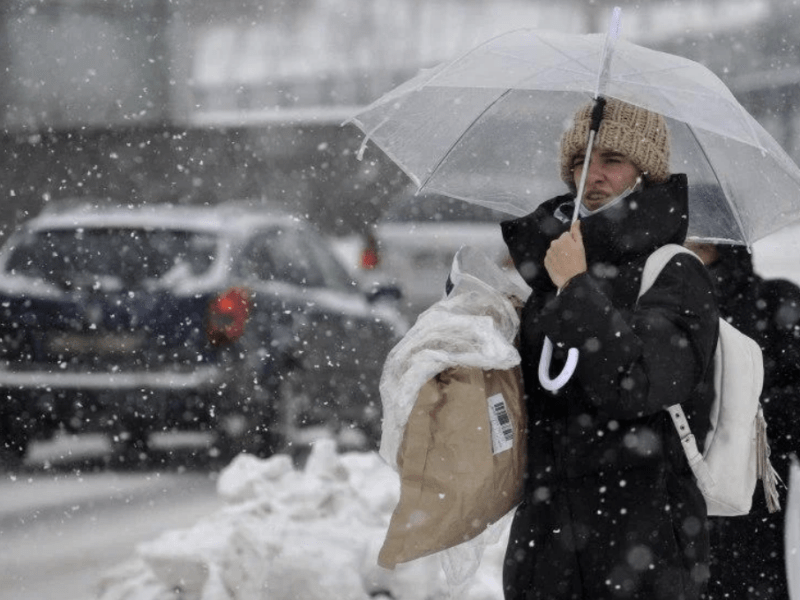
{"x": 632, "y": 229}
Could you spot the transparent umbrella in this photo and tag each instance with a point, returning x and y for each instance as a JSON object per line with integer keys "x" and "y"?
{"x": 486, "y": 126}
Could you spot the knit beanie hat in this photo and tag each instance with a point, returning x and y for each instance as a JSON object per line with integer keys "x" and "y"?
{"x": 637, "y": 133}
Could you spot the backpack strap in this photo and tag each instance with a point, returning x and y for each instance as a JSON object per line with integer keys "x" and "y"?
{"x": 652, "y": 269}
{"x": 656, "y": 263}
{"x": 693, "y": 456}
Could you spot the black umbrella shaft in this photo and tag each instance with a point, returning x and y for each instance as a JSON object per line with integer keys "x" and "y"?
{"x": 597, "y": 113}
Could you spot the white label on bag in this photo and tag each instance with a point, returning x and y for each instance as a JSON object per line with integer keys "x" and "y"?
{"x": 500, "y": 422}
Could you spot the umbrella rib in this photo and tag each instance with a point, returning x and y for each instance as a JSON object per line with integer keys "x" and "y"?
{"x": 719, "y": 181}
{"x": 633, "y": 82}
{"x": 577, "y": 59}
{"x": 622, "y": 76}
{"x": 568, "y": 59}
{"x": 437, "y": 72}
{"x": 460, "y": 137}
{"x": 580, "y": 58}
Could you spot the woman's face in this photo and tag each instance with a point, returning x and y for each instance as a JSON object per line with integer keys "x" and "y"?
{"x": 610, "y": 174}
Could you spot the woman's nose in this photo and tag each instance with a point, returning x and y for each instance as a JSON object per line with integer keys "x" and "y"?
{"x": 595, "y": 170}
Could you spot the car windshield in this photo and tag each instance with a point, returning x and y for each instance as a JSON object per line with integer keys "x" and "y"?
{"x": 70, "y": 257}
{"x": 437, "y": 208}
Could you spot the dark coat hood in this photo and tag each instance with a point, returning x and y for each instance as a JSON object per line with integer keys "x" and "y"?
{"x": 620, "y": 234}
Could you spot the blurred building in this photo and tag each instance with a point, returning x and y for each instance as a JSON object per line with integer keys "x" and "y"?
{"x": 107, "y": 62}
{"x": 92, "y": 63}
{"x": 202, "y": 100}
{"x": 118, "y": 62}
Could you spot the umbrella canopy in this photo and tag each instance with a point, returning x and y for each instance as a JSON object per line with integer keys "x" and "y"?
{"x": 486, "y": 128}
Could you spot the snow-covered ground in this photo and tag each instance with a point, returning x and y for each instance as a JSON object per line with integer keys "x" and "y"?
{"x": 315, "y": 532}
{"x": 65, "y": 518}
{"x": 287, "y": 533}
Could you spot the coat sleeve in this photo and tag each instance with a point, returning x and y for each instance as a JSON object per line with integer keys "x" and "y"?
{"x": 635, "y": 363}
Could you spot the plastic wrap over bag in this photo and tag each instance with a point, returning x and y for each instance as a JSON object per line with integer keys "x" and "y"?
{"x": 454, "y": 421}
{"x": 475, "y": 325}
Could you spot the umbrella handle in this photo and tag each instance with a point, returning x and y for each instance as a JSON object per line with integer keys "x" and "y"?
{"x": 546, "y": 357}
{"x": 562, "y": 378}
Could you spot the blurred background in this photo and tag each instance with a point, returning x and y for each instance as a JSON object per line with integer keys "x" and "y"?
{"x": 199, "y": 101}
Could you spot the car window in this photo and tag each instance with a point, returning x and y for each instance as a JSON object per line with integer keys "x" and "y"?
{"x": 257, "y": 258}
{"x": 68, "y": 257}
{"x": 336, "y": 276}
{"x": 281, "y": 254}
{"x": 435, "y": 207}
{"x": 294, "y": 257}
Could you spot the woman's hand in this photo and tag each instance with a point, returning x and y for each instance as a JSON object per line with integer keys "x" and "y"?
{"x": 566, "y": 256}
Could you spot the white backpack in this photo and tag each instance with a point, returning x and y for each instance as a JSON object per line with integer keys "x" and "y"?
{"x": 736, "y": 447}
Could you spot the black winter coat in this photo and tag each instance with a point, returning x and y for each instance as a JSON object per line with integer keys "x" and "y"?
{"x": 748, "y": 552}
{"x": 611, "y": 509}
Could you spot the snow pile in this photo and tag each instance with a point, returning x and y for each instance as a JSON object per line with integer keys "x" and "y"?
{"x": 286, "y": 533}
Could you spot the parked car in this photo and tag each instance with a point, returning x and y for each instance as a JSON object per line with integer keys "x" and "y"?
{"x": 413, "y": 243}
{"x": 234, "y": 320}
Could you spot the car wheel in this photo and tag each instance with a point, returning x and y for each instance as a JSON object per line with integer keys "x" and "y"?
{"x": 12, "y": 455}
{"x": 130, "y": 446}
{"x": 244, "y": 426}
{"x": 301, "y": 418}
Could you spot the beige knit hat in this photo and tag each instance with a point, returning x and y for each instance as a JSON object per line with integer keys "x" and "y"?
{"x": 635, "y": 132}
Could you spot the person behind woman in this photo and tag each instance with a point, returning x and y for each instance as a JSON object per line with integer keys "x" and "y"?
{"x": 747, "y": 553}
{"x": 610, "y": 508}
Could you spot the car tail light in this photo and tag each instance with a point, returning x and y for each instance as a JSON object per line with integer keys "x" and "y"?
{"x": 369, "y": 255}
{"x": 227, "y": 315}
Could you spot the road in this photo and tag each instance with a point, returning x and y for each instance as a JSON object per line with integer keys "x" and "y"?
{"x": 65, "y": 518}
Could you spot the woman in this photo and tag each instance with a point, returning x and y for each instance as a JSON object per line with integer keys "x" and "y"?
{"x": 611, "y": 509}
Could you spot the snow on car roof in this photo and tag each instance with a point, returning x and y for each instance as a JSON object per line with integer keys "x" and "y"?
{"x": 234, "y": 216}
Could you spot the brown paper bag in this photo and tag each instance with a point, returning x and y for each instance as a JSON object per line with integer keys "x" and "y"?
{"x": 461, "y": 462}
